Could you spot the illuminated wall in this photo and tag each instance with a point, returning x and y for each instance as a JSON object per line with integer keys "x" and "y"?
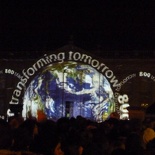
{"x": 75, "y": 83}
{"x": 69, "y": 89}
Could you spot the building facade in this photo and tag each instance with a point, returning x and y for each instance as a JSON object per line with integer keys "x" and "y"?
{"x": 80, "y": 82}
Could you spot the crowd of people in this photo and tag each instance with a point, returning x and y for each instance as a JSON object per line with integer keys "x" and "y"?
{"x": 76, "y": 136}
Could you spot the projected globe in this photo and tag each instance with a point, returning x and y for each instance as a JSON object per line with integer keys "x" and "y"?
{"x": 69, "y": 89}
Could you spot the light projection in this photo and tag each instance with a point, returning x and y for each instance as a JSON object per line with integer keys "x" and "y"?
{"x": 69, "y": 89}
{"x": 123, "y": 100}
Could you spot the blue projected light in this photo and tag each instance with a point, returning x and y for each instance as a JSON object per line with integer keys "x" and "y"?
{"x": 69, "y": 89}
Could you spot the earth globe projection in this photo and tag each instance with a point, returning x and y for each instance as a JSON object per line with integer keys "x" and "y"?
{"x": 69, "y": 89}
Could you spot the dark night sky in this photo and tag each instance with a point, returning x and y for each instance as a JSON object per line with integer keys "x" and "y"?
{"x": 46, "y": 25}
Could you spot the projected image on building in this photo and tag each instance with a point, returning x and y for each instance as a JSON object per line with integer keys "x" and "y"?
{"x": 69, "y": 89}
